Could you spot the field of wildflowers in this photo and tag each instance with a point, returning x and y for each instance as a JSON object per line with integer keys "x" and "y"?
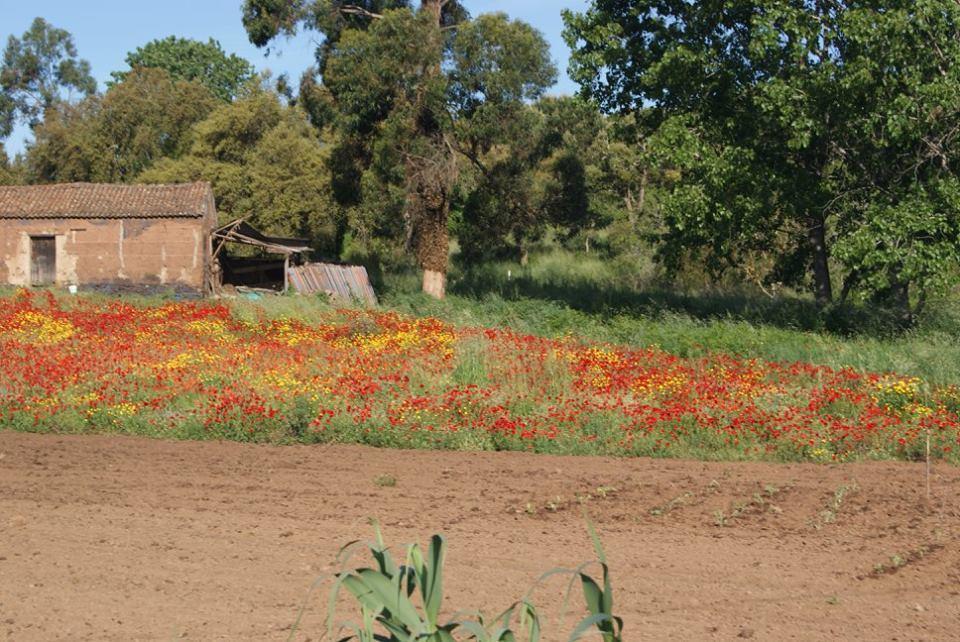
{"x": 201, "y": 371}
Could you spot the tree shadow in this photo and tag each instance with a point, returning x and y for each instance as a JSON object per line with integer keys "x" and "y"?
{"x": 606, "y": 300}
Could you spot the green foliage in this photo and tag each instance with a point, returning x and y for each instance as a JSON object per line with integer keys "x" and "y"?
{"x": 265, "y": 162}
{"x": 498, "y": 62}
{"x": 537, "y": 168}
{"x": 115, "y": 137}
{"x": 7, "y": 176}
{"x": 402, "y": 602}
{"x": 37, "y": 69}
{"x": 791, "y": 130}
{"x": 912, "y": 239}
{"x": 185, "y": 59}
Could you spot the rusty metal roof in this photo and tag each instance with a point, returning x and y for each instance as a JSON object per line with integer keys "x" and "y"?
{"x": 239, "y": 231}
{"x": 105, "y": 200}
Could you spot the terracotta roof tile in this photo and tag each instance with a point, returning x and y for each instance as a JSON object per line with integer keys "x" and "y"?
{"x": 104, "y": 200}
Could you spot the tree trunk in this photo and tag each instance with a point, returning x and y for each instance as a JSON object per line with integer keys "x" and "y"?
{"x": 433, "y": 6}
{"x": 427, "y": 182}
{"x": 435, "y": 283}
{"x": 900, "y": 295}
{"x": 431, "y": 239}
{"x": 816, "y": 234}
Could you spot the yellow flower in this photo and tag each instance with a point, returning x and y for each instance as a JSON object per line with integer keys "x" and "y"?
{"x": 40, "y": 329}
{"x": 186, "y": 359}
{"x": 212, "y": 328}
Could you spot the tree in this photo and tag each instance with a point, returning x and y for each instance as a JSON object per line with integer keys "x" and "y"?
{"x": 6, "y": 176}
{"x": 37, "y": 68}
{"x": 792, "y": 124}
{"x": 543, "y": 172}
{"x": 184, "y": 59}
{"x": 266, "y": 163}
{"x": 500, "y": 193}
{"x": 115, "y": 137}
{"x": 415, "y": 91}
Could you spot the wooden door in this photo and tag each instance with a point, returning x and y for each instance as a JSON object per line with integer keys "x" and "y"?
{"x": 43, "y": 260}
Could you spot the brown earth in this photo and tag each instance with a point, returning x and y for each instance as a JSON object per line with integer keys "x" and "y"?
{"x": 117, "y": 538}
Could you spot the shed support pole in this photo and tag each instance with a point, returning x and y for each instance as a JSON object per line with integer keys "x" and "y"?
{"x": 286, "y": 270}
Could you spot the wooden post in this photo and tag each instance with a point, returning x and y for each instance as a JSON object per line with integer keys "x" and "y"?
{"x": 286, "y": 269}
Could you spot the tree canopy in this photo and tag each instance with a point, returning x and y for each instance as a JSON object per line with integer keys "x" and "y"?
{"x": 266, "y": 163}
{"x": 803, "y": 126}
{"x": 114, "y": 137}
{"x": 6, "y": 176}
{"x": 185, "y": 59}
{"x": 794, "y": 144}
{"x": 37, "y": 69}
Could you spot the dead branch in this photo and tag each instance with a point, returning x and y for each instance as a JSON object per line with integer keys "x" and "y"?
{"x": 353, "y": 9}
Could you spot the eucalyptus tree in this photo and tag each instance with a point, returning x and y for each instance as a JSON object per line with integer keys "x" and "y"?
{"x": 39, "y": 69}
{"x": 417, "y": 91}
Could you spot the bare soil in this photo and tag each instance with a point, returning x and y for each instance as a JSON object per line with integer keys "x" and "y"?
{"x": 118, "y": 538}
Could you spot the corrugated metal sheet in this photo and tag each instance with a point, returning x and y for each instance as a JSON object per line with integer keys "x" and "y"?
{"x": 345, "y": 282}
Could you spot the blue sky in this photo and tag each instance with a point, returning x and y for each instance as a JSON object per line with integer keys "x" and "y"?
{"x": 105, "y": 30}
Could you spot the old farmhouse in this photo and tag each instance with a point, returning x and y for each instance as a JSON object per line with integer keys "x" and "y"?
{"x": 108, "y": 235}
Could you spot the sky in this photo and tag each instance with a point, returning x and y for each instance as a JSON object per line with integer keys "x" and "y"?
{"x": 105, "y": 30}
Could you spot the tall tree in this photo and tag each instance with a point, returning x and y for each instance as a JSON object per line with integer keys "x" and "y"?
{"x": 409, "y": 85}
{"x": 114, "y": 137}
{"x": 37, "y": 69}
{"x": 185, "y": 59}
{"x": 267, "y": 164}
{"x": 790, "y": 119}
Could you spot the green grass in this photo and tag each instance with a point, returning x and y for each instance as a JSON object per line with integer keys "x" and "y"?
{"x": 933, "y": 355}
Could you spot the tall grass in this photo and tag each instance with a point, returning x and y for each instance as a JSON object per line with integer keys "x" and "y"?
{"x": 562, "y": 293}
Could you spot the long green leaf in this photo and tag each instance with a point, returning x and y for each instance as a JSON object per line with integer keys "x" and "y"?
{"x": 588, "y": 623}
{"x": 592, "y": 594}
{"x": 503, "y": 635}
{"x": 381, "y": 553}
{"x": 475, "y": 629}
{"x": 530, "y": 619}
{"x": 597, "y": 544}
{"x": 431, "y": 584}
{"x": 362, "y": 591}
{"x": 394, "y": 599}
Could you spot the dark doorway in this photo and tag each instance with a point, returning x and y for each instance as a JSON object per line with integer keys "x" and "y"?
{"x": 43, "y": 260}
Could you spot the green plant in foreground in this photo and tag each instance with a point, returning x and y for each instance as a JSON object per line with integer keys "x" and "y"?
{"x": 402, "y": 602}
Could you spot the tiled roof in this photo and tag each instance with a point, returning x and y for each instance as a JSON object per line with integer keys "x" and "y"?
{"x": 104, "y": 200}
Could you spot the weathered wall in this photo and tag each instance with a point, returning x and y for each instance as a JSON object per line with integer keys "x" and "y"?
{"x": 109, "y": 251}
